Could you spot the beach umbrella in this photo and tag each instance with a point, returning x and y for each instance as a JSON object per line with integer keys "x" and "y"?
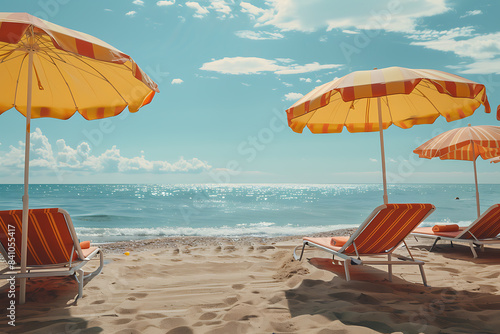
{"x": 368, "y": 101}
{"x": 465, "y": 143}
{"x": 496, "y": 160}
{"x": 50, "y": 71}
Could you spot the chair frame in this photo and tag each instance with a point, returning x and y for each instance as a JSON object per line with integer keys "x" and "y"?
{"x": 472, "y": 242}
{"x": 350, "y": 260}
{"x": 71, "y": 268}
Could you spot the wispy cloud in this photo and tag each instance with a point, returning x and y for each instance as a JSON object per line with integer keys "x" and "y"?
{"x": 254, "y": 65}
{"x": 258, "y": 35}
{"x": 177, "y": 81}
{"x": 472, "y": 13}
{"x": 138, "y": 2}
{"x": 131, "y": 13}
{"x": 293, "y": 96}
{"x": 164, "y": 3}
{"x": 307, "y": 16}
{"x": 200, "y": 11}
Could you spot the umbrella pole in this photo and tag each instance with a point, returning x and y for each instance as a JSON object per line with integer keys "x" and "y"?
{"x": 24, "y": 240}
{"x": 381, "y": 131}
{"x": 475, "y": 179}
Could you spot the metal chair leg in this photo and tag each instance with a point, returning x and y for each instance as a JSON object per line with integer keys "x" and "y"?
{"x": 299, "y": 258}
{"x": 434, "y": 244}
{"x": 471, "y": 245}
{"x": 389, "y": 269}
{"x": 346, "y": 268}
{"x": 424, "y": 279}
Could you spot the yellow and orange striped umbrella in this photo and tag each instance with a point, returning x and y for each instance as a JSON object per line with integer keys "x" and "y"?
{"x": 73, "y": 72}
{"x": 467, "y": 143}
{"x": 367, "y": 101}
{"x": 50, "y": 71}
{"x": 408, "y": 97}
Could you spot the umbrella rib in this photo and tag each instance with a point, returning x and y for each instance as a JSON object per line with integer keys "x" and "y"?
{"x": 66, "y": 82}
{"x": 425, "y": 96}
{"x": 17, "y": 81}
{"x": 95, "y": 73}
{"x": 101, "y": 75}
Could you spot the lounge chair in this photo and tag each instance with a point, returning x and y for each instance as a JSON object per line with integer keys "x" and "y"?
{"x": 483, "y": 231}
{"x": 53, "y": 247}
{"x": 380, "y": 234}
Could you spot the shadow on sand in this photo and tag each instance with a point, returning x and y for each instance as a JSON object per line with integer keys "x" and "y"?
{"x": 47, "y": 308}
{"x": 369, "y": 300}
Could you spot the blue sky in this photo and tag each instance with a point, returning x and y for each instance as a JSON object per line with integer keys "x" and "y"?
{"x": 227, "y": 70}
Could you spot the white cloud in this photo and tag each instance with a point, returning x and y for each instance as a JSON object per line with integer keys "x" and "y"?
{"x": 293, "y": 96}
{"x": 254, "y": 65}
{"x": 373, "y": 160}
{"x": 131, "y": 13}
{"x": 309, "y": 16}
{"x": 481, "y": 67}
{"x": 138, "y": 2}
{"x": 323, "y": 39}
{"x": 318, "y": 80}
{"x": 258, "y": 35}
{"x": 65, "y": 158}
{"x": 177, "y": 81}
{"x": 164, "y": 3}
{"x": 485, "y": 46}
{"x": 472, "y": 13}
{"x": 298, "y": 69}
{"x": 200, "y": 11}
{"x": 287, "y": 84}
{"x": 255, "y": 11}
{"x": 350, "y": 32}
{"x": 221, "y": 7}
{"x": 305, "y": 79}
{"x": 108, "y": 10}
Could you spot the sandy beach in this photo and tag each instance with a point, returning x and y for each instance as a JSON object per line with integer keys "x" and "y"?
{"x": 252, "y": 285}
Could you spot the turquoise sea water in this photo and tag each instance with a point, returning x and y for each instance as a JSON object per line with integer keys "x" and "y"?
{"x": 124, "y": 212}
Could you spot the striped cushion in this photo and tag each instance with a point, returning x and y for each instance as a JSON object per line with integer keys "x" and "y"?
{"x": 49, "y": 239}
{"x": 389, "y": 227}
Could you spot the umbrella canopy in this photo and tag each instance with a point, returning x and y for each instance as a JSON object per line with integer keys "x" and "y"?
{"x": 73, "y": 72}
{"x": 51, "y": 71}
{"x": 467, "y": 143}
{"x": 496, "y": 160}
{"x": 367, "y": 101}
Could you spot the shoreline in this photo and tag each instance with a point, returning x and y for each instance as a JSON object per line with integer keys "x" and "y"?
{"x": 197, "y": 241}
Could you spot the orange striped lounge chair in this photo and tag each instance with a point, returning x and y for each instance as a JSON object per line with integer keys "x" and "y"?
{"x": 380, "y": 234}
{"x": 53, "y": 247}
{"x": 483, "y": 231}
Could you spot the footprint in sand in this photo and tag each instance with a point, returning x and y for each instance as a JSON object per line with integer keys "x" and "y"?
{"x": 123, "y": 310}
{"x": 231, "y": 300}
{"x": 138, "y": 294}
{"x": 181, "y": 330}
{"x": 100, "y": 301}
{"x": 122, "y": 321}
{"x": 265, "y": 248}
{"x": 172, "y": 323}
{"x": 238, "y": 286}
{"x": 208, "y": 316}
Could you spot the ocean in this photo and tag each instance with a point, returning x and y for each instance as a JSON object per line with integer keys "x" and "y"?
{"x": 114, "y": 212}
